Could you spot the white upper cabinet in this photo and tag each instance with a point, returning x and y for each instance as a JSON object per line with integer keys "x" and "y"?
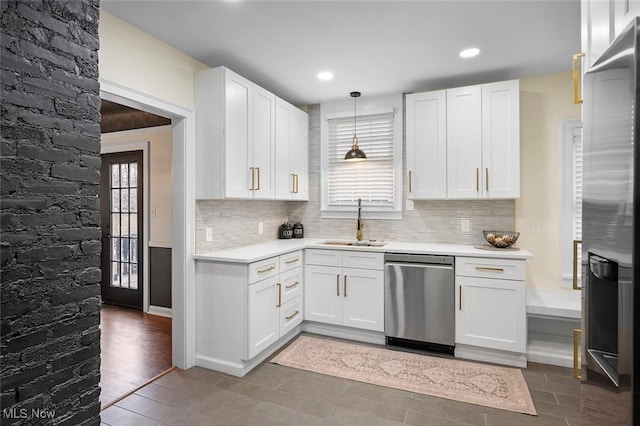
{"x": 501, "y": 139}
{"x": 235, "y": 137}
{"x": 464, "y": 143}
{"x": 292, "y": 158}
{"x": 625, "y": 12}
{"x": 598, "y": 28}
{"x": 426, "y": 145}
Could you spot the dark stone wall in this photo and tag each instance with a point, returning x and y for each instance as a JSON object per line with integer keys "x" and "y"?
{"x": 49, "y": 211}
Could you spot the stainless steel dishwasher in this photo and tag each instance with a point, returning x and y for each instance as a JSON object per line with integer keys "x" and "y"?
{"x": 419, "y": 300}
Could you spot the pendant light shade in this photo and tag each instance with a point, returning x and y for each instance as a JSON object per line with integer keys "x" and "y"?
{"x": 355, "y": 153}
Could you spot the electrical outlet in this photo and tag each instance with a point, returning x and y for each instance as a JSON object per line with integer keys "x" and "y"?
{"x": 208, "y": 234}
{"x": 409, "y": 205}
{"x": 465, "y": 225}
{"x": 536, "y": 228}
{"x": 260, "y": 228}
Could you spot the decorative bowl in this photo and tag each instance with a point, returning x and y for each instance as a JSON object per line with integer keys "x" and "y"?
{"x": 501, "y": 239}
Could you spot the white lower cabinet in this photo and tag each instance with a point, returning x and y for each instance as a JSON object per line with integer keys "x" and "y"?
{"x": 244, "y": 312}
{"x": 339, "y": 295}
{"x": 491, "y": 304}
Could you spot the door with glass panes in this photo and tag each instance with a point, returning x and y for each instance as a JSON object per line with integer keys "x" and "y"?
{"x": 121, "y": 216}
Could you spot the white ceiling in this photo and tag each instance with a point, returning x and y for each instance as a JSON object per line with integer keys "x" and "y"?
{"x": 376, "y": 47}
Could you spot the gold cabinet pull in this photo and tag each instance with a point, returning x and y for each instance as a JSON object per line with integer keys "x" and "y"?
{"x": 460, "y": 298}
{"x": 279, "y": 295}
{"x": 270, "y": 268}
{"x": 575, "y": 264}
{"x": 489, "y": 269}
{"x": 292, "y": 260}
{"x": 345, "y": 286}
{"x": 252, "y": 169}
{"x": 293, "y": 315}
{"x": 292, "y": 285}
{"x": 297, "y": 184}
{"x": 577, "y": 97}
{"x": 486, "y": 179}
{"x": 258, "y": 170}
{"x": 576, "y": 361}
{"x": 409, "y": 180}
{"x": 338, "y": 284}
{"x": 293, "y": 183}
{"x": 477, "y": 180}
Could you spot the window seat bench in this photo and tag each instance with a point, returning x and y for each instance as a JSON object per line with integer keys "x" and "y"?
{"x": 552, "y": 315}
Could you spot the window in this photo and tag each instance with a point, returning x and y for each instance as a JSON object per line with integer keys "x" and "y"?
{"x": 571, "y": 226}
{"x": 377, "y": 181}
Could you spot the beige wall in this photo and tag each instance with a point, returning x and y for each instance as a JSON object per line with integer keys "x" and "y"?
{"x": 160, "y": 214}
{"x": 545, "y": 101}
{"x": 134, "y": 59}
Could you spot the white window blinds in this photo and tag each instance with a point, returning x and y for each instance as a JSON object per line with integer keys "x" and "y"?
{"x": 373, "y": 179}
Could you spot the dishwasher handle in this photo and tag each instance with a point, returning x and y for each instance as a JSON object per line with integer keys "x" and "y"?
{"x": 419, "y": 265}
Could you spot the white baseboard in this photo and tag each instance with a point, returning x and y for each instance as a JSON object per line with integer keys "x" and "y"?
{"x": 491, "y": 355}
{"x": 160, "y": 311}
{"x": 342, "y": 332}
{"x": 240, "y": 367}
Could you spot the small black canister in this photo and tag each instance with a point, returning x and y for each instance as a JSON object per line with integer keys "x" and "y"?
{"x": 298, "y": 230}
{"x": 285, "y": 231}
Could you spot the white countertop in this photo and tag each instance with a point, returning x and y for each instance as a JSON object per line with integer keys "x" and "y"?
{"x": 253, "y": 253}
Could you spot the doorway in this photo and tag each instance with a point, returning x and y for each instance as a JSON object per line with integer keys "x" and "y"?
{"x": 122, "y": 212}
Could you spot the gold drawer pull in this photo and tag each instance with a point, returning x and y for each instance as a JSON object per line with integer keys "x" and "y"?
{"x": 279, "y": 295}
{"x": 409, "y": 180}
{"x": 489, "y": 269}
{"x": 486, "y": 180}
{"x": 270, "y": 268}
{"x": 577, "y": 98}
{"x": 253, "y": 179}
{"x": 345, "y": 286}
{"x": 258, "y": 170}
{"x": 477, "y": 180}
{"x": 292, "y": 260}
{"x": 576, "y": 361}
{"x": 292, "y": 285}
{"x": 338, "y": 284}
{"x": 292, "y": 315}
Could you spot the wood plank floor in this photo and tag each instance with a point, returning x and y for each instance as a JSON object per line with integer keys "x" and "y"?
{"x": 277, "y": 395}
{"x": 135, "y": 347}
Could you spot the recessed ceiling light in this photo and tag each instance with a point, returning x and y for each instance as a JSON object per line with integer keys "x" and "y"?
{"x": 470, "y": 53}
{"x": 325, "y": 75}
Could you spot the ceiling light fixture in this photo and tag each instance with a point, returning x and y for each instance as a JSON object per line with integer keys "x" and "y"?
{"x": 325, "y": 75}
{"x": 470, "y": 53}
{"x": 355, "y": 153}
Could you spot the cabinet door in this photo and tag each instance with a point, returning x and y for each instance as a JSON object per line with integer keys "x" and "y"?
{"x": 323, "y": 294}
{"x": 264, "y": 315}
{"x": 464, "y": 142}
{"x": 299, "y": 153}
{"x": 238, "y": 135}
{"x": 426, "y": 145}
{"x": 363, "y": 299}
{"x": 625, "y": 12}
{"x": 263, "y": 149}
{"x": 284, "y": 176}
{"x": 491, "y": 313}
{"x": 500, "y": 175}
{"x": 598, "y": 23}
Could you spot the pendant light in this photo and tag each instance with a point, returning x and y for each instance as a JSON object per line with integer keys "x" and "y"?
{"x": 355, "y": 153}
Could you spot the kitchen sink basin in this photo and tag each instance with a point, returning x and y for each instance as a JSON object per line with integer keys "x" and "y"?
{"x": 368, "y": 243}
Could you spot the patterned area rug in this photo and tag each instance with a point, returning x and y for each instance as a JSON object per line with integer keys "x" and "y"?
{"x": 491, "y": 386}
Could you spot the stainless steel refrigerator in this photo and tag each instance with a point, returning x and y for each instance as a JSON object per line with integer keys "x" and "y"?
{"x": 610, "y": 384}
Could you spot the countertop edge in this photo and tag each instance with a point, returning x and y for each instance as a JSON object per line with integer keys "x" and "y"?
{"x": 256, "y": 252}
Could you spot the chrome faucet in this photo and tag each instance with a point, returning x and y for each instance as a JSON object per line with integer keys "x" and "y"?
{"x": 359, "y": 225}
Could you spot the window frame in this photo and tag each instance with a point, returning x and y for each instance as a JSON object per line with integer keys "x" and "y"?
{"x": 567, "y": 216}
{"x": 365, "y": 106}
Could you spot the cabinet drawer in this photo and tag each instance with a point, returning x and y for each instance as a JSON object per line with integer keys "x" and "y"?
{"x": 291, "y": 284}
{"x": 505, "y": 269}
{"x": 363, "y": 260}
{"x": 290, "y": 315}
{"x": 263, "y": 269}
{"x": 323, "y": 257}
{"x": 290, "y": 260}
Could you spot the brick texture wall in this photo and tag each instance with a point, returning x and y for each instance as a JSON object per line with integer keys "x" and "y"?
{"x": 50, "y": 241}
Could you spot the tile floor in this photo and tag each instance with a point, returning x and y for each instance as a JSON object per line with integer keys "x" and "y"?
{"x": 276, "y": 395}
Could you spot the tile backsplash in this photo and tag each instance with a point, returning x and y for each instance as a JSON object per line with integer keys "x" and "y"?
{"x": 235, "y": 223}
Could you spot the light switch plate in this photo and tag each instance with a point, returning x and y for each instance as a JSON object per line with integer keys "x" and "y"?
{"x": 465, "y": 225}
{"x": 260, "y": 228}
{"x": 409, "y": 205}
{"x": 208, "y": 234}
{"x": 536, "y": 228}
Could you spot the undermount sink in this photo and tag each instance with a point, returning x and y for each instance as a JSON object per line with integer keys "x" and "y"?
{"x": 368, "y": 243}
